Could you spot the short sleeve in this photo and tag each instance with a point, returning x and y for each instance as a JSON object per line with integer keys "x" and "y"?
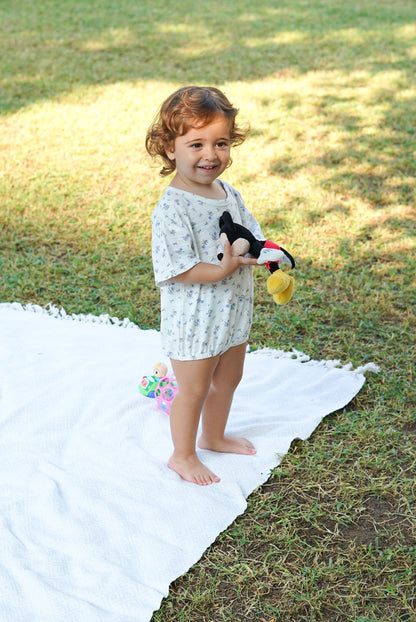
{"x": 173, "y": 246}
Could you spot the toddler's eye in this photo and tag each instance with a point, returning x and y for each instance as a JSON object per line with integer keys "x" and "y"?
{"x": 222, "y": 144}
{"x": 196, "y": 145}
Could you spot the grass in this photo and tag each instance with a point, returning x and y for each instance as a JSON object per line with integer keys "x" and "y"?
{"x": 329, "y": 90}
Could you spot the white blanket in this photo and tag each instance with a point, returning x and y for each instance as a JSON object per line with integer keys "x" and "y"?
{"x": 93, "y": 525}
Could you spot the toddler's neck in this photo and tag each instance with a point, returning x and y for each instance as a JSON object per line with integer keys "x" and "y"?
{"x": 210, "y": 191}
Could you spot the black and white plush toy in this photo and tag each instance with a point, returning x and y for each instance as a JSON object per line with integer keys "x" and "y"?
{"x": 280, "y": 284}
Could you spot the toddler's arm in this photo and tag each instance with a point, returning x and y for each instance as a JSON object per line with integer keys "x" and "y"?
{"x": 211, "y": 273}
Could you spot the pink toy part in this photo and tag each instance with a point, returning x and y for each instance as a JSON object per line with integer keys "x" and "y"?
{"x": 165, "y": 392}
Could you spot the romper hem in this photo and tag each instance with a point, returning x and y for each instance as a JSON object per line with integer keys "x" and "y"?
{"x": 203, "y": 355}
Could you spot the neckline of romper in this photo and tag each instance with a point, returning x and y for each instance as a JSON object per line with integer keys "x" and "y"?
{"x": 199, "y": 196}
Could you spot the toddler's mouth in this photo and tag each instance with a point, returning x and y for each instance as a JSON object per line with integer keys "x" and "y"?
{"x": 208, "y": 168}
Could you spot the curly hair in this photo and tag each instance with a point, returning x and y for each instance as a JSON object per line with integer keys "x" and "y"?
{"x": 189, "y": 106}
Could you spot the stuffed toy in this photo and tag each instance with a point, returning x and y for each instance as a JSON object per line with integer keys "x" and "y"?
{"x": 279, "y": 284}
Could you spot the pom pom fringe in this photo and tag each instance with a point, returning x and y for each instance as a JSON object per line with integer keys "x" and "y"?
{"x": 305, "y": 358}
{"x": 61, "y": 314}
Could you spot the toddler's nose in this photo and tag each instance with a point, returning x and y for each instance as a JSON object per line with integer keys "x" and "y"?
{"x": 209, "y": 153}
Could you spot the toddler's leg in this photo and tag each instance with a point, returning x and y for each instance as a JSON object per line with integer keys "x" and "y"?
{"x": 194, "y": 379}
{"x": 225, "y": 380}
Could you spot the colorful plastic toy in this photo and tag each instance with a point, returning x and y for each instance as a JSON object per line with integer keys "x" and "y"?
{"x": 148, "y": 384}
{"x": 165, "y": 392}
{"x": 159, "y": 386}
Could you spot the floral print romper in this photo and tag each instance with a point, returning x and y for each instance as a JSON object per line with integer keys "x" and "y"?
{"x": 204, "y": 319}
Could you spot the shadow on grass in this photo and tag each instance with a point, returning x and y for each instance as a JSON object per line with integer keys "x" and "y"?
{"x": 374, "y": 162}
{"x": 50, "y": 48}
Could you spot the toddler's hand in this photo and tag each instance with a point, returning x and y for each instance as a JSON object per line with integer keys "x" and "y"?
{"x": 229, "y": 263}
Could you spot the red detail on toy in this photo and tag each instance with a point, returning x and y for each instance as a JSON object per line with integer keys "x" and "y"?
{"x": 269, "y": 244}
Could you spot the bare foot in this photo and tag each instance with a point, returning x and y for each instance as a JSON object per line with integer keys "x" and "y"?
{"x": 192, "y": 470}
{"x": 229, "y": 444}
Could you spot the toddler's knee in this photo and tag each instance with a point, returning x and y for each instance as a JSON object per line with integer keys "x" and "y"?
{"x": 227, "y": 384}
{"x": 197, "y": 392}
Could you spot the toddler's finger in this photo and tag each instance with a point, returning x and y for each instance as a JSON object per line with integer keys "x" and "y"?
{"x": 251, "y": 261}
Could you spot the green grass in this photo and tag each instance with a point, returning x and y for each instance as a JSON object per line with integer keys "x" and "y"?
{"x": 329, "y": 90}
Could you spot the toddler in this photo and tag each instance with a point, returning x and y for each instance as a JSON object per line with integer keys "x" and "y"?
{"x": 206, "y": 304}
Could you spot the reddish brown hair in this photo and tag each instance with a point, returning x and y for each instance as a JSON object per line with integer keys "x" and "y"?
{"x": 190, "y": 106}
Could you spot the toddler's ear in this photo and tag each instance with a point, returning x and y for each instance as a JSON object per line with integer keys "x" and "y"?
{"x": 170, "y": 151}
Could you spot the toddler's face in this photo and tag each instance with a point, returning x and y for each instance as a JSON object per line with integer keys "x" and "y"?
{"x": 203, "y": 153}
